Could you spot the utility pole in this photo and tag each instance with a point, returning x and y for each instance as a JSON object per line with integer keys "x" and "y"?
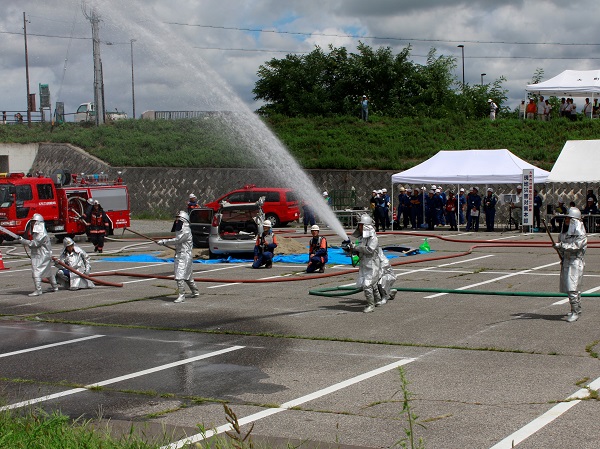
{"x": 98, "y": 79}
{"x": 27, "y": 71}
{"x": 132, "y": 83}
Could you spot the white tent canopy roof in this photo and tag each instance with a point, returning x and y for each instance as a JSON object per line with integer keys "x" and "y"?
{"x": 470, "y": 167}
{"x": 577, "y": 162}
{"x": 570, "y": 83}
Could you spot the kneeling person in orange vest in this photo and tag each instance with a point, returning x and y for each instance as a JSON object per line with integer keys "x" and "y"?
{"x": 317, "y": 251}
{"x": 264, "y": 247}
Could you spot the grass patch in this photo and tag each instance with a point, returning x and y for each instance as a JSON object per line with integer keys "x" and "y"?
{"x": 36, "y": 429}
{"x": 344, "y": 143}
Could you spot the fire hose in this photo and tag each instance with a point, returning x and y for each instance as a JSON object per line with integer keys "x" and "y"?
{"x": 85, "y": 276}
{"x": 147, "y": 238}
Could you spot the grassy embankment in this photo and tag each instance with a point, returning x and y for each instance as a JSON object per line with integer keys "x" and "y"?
{"x": 325, "y": 143}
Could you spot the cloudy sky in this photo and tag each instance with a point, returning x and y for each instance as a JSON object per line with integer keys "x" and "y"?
{"x": 193, "y": 54}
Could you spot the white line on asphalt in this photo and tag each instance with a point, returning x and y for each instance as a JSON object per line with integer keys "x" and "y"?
{"x": 433, "y": 268}
{"x": 118, "y": 379}
{"x": 545, "y": 419}
{"x": 566, "y": 300}
{"x": 38, "y": 348}
{"x": 289, "y": 405}
{"x": 506, "y": 276}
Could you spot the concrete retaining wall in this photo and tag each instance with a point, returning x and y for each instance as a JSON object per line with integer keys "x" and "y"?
{"x": 17, "y": 157}
{"x": 164, "y": 190}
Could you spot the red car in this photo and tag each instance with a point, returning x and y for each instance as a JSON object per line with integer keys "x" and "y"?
{"x": 280, "y": 206}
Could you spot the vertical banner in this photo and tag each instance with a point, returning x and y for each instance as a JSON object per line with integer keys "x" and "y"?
{"x": 527, "y": 200}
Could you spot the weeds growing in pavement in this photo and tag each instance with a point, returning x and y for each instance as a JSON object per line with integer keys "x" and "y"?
{"x": 411, "y": 417}
{"x": 36, "y": 429}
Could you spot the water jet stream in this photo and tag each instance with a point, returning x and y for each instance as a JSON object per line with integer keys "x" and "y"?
{"x": 173, "y": 57}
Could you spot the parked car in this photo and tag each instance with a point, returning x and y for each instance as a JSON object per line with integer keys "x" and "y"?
{"x": 200, "y": 224}
{"x": 235, "y": 227}
{"x": 280, "y": 206}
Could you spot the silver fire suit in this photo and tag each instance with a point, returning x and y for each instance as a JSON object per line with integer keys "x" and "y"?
{"x": 183, "y": 260}
{"x": 369, "y": 269}
{"x": 571, "y": 246}
{"x": 41, "y": 257}
{"x": 78, "y": 260}
{"x": 387, "y": 278}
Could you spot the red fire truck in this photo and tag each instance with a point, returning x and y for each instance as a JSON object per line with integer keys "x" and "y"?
{"x": 62, "y": 199}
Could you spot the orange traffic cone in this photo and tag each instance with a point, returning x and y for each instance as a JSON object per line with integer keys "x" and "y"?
{"x": 2, "y": 267}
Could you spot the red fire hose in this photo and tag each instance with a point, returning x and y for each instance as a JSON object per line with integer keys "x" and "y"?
{"x": 85, "y": 276}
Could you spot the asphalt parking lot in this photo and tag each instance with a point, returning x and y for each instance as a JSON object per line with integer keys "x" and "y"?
{"x": 484, "y": 371}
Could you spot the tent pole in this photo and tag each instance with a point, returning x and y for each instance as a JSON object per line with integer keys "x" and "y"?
{"x": 392, "y": 202}
{"x": 458, "y": 207}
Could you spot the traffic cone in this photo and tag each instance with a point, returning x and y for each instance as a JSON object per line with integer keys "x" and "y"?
{"x": 2, "y": 267}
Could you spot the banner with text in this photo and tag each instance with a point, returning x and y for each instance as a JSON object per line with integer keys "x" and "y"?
{"x": 527, "y": 200}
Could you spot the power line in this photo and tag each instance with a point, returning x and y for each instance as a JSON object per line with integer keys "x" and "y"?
{"x": 265, "y": 50}
{"x": 389, "y": 38}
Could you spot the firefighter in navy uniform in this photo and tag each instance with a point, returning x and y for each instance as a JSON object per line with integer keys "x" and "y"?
{"x": 264, "y": 247}
{"x": 317, "y": 251}
{"x": 97, "y": 223}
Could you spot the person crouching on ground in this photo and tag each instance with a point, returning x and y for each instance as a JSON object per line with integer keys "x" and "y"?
{"x": 77, "y": 259}
{"x": 571, "y": 245}
{"x": 317, "y": 251}
{"x": 369, "y": 268}
{"x": 264, "y": 247}
{"x": 41, "y": 255}
{"x": 183, "y": 255}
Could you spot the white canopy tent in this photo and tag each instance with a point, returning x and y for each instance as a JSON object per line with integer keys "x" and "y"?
{"x": 577, "y": 162}
{"x": 469, "y": 167}
{"x": 570, "y": 83}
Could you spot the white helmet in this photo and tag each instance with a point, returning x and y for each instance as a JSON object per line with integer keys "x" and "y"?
{"x": 68, "y": 241}
{"x": 192, "y": 196}
{"x": 365, "y": 219}
{"x": 325, "y": 194}
{"x": 314, "y": 228}
{"x": 573, "y": 212}
{"x": 183, "y": 215}
{"x": 267, "y": 224}
{"x": 384, "y": 190}
{"x": 37, "y": 217}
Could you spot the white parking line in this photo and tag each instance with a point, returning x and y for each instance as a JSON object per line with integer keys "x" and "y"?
{"x": 39, "y": 348}
{"x": 545, "y": 419}
{"x": 489, "y": 281}
{"x": 433, "y": 268}
{"x": 288, "y": 405}
{"x": 566, "y": 300}
{"x": 118, "y": 379}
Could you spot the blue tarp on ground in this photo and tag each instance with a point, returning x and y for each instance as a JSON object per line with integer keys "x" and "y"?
{"x": 336, "y": 257}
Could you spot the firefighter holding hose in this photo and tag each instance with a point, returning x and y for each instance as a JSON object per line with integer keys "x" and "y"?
{"x": 183, "y": 255}
{"x": 78, "y": 259}
{"x": 369, "y": 271}
{"x": 41, "y": 255}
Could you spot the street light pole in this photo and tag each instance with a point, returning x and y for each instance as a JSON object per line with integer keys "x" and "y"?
{"x": 482, "y": 75}
{"x": 462, "y": 48}
{"x": 27, "y": 71}
{"x": 132, "y": 80}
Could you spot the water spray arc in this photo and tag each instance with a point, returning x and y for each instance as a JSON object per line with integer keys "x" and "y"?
{"x": 240, "y": 123}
